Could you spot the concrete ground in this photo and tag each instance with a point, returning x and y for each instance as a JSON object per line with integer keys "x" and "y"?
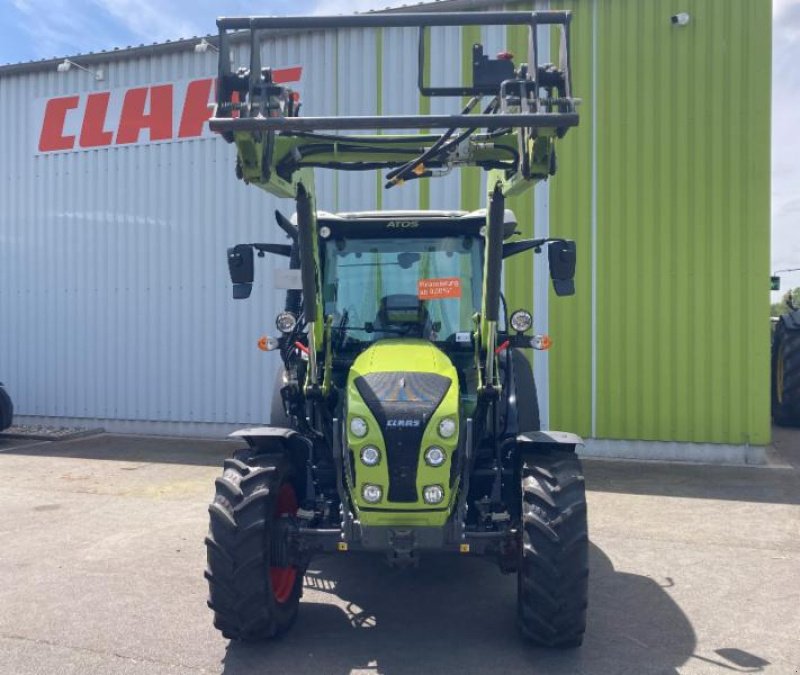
{"x": 694, "y": 569}
{"x": 785, "y": 449}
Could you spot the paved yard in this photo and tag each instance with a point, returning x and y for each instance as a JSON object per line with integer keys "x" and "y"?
{"x": 693, "y": 570}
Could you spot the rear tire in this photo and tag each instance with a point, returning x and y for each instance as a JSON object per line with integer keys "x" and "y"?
{"x": 252, "y": 599}
{"x": 552, "y": 581}
{"x": 6, "y": 409}
{"x": 786, "y": 375}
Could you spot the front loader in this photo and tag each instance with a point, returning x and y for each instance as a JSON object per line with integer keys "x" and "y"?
{"x": 405, "y": 417}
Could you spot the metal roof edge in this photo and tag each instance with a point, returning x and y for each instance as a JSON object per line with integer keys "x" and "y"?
{"x": 182, "y": 44}
{"x": 103, "y": 57}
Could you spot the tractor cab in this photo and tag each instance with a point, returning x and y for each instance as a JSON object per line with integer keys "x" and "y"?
{"x": 403, "y": 274}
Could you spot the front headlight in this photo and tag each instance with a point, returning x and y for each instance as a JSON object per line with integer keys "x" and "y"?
{"x": 370, "y": 455}
{"x": 358, "y": 427}
{"x": 434, "y": 456}
{"x": 521, "y": 320}
{"x": 447, "y": 427}
{"x": 285, "y": 322}
{"x": 371, "y": 493}
{"x": 433, "y": 494}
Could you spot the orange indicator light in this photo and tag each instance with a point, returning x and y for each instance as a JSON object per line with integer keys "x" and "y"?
{"x": 267, "y": 343}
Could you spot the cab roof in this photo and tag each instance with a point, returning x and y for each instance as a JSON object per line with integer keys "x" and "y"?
{"x": 416, "y": 223}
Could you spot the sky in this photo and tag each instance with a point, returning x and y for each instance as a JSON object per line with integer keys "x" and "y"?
{"x": 35, "y": 29}
{"x": 786, "y": 139}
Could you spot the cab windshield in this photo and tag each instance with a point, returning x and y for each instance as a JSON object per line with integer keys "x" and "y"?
{"x": 378, "y": 288}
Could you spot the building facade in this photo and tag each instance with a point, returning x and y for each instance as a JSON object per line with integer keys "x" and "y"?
{"x": 117, "y": 205}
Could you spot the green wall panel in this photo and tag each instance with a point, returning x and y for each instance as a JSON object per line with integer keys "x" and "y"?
{"x": 683, "y": 220}
{"x": 571, "y": 217}
{"x": 680, "y": 233}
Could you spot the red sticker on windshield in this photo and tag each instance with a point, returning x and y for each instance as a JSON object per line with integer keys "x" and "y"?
{"x": 436, "y": 289}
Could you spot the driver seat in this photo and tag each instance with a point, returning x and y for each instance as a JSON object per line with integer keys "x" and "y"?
{"x": 403, "y": 310}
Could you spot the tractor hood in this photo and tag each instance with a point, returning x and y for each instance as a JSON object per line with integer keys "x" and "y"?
{"x": 402, "y": 389}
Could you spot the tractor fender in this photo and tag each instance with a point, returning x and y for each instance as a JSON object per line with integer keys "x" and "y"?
{"x": 533, "y": 441}
{"x": 293, "y": 446}
{"x": 272, "y": 439}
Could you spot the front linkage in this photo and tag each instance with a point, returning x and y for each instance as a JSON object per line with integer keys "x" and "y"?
{"x": 513, "y": 492}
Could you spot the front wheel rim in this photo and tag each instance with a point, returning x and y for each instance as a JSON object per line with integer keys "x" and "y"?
{"x": 282, "y": 579}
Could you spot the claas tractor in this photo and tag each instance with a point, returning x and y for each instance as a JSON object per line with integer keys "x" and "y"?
{"x": 405, "y": 416}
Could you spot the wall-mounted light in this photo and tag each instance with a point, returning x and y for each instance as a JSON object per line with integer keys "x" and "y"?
{"x": 204, "y": 45}
{"x": 66, "y": 65}
{"x": 680, "y": 19}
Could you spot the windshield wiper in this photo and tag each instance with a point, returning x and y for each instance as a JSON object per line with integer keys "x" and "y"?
{"x": 342, "y": 327}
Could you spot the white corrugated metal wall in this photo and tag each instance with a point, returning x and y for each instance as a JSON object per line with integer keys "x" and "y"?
{"x": 115, "y": 305}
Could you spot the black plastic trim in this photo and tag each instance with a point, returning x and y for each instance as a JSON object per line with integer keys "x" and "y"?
{"x": 411, "y": 226}
{"x": 373, "y": 509}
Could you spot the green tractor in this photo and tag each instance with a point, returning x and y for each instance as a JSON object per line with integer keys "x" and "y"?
{"x": 785, "y": 369}
{"x": 405, "y": 417}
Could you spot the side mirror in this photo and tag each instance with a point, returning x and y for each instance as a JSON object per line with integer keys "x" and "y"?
{"x": 241, "y": 268}
{"x": 562, "y": 257}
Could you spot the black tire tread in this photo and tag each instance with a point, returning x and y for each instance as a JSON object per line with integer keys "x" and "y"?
{"x": 6, "y": 409}
{"x": 237, "y": 548}
{"x": 787, "y": 412}
{"x": 554, "y": 565}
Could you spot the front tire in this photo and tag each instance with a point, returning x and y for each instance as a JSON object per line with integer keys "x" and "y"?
{"x": 253, "y": 598}
{"x": 552, "y": 581}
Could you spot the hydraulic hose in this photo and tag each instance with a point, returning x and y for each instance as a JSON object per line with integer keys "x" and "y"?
{"x": 397, "y": 175}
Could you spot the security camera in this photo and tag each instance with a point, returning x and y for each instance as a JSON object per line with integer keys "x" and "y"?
{"x": 681, "y": 19}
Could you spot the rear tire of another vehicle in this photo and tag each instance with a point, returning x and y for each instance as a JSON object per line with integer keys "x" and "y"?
{"x": 786, "y": 375}
{"x": 252, "y": 598}
{"x": 552, "y": 581}
{"x": 6, "y": 409}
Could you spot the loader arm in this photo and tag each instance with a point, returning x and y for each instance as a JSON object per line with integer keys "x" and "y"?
{"x": 531, "y": 105}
